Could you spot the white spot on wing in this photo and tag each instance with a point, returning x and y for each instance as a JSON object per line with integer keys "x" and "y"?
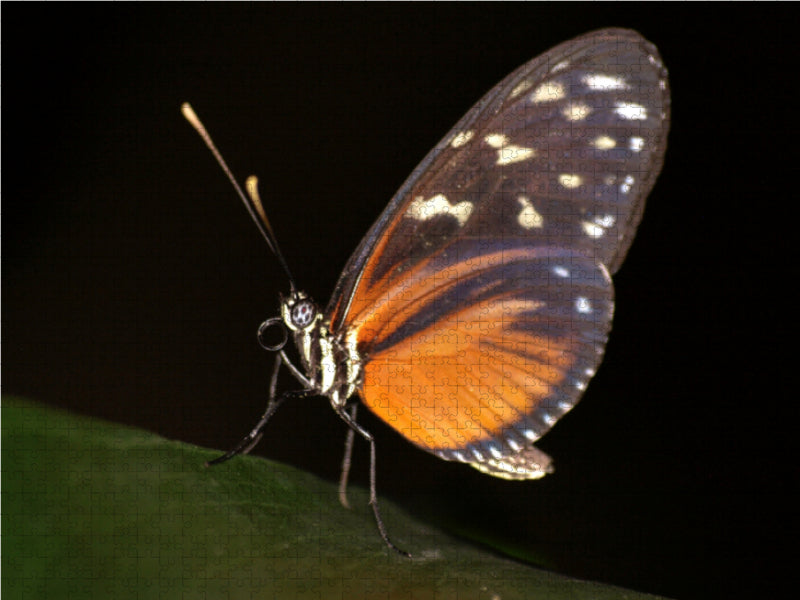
{"x": 635, "y": 144}
{"x": 508, "y": 153}
{"x": 560, "y": 271}
{"x": 625, "y": 186}
{"x": 630, "y": 111}
{"x": 496, "y": 140}
{"x": 549, "y": 419}
{"x": 511, "y": 154}
{"x": 514, "y": 445}
{"x": 576, "y": 111}
{"x": 461, "y": 138}
{"x": 570, "y": 181}
{"x": 604, "y": 143}
{"x": 592, "y": 229}
{"x": 530, "y": 434}
{"x": 605, "y": 221}
{"x": 596, "y": 81}
{"x": 560, "y": 66}
{"x": 522, "y": 86}
{"x": 528, "y": 218}
{"x": 439, "y": 205}
{"x": 598, "y": 225}
{"x": 548, "y": 92}
{"x": 582, "y": 305}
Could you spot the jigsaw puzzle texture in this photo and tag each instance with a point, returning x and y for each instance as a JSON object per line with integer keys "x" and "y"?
{"x": 477, "y": 308}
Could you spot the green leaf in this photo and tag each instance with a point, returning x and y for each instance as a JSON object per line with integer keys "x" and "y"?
{"x": 98, "y": 510}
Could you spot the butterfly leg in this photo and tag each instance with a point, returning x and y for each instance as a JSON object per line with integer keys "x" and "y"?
{"x": 373, "y": 495}
{"x": 252, "y": 438}
{"x": 294, "y": 371}
{"x": 346, "y": 460}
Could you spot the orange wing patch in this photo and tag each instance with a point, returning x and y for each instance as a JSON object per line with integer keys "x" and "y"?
{"x": 467, "y": 378}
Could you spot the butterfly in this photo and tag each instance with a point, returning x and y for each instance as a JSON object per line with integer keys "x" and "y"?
{"x": 474, "y": 312}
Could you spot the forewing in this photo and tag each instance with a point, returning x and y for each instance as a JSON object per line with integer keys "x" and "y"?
{"x": 563, "y": 152}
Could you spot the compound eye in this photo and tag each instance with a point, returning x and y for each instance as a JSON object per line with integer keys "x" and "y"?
{"x": 303, "y": 314}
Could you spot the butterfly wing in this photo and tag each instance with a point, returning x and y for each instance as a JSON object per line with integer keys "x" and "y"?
{"x": 481, "y": 299}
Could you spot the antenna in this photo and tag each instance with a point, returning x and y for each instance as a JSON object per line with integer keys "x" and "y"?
{"x": 253, "y": 203}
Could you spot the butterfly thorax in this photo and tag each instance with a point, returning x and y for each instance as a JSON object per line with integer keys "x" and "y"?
{"x": 333, "y": 368}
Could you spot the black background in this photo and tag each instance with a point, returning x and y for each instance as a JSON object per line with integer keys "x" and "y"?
{"x": 134, "y": 281}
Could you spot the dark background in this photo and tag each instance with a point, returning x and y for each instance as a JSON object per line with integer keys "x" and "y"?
{"x": 134, "y": 280}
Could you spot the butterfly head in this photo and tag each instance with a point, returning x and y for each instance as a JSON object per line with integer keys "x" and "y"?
{"x": 327, "y": 369}
{"x": 299, "y": 312}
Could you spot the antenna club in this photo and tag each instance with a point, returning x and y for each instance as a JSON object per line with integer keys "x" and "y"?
{"x": 253, "y": 205}
{"x": 190, "y": 115}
